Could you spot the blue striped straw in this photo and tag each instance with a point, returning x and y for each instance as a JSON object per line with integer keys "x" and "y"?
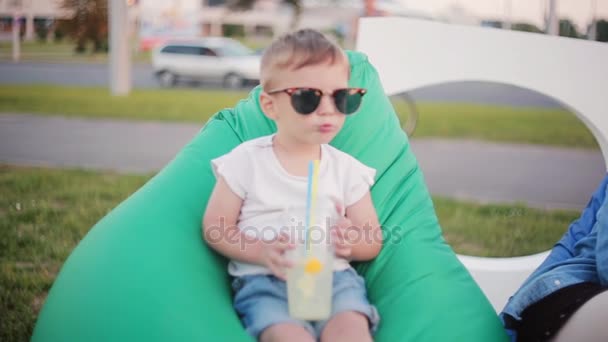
{"x": 313, "y": 175}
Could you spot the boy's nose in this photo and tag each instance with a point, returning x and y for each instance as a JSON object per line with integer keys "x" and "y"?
{"x": 327, "y": 106}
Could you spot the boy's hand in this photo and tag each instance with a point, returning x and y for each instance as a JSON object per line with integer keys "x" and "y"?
{"x": 339, "y": 234}
{"x": 273, "y": 255}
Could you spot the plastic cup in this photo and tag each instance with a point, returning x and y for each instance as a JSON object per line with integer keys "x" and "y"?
{"x": 309, "y": 281}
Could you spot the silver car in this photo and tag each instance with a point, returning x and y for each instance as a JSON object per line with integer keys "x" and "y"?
{"x": 207, "y": 59}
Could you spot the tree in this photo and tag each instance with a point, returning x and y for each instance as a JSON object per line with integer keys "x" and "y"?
{"x": 241, "y": 5}
{"x": 526, "y": 27}
{"x": 89, "y": 23}
{"x": 601, "y": 27}
{"x": 567, "y": 29}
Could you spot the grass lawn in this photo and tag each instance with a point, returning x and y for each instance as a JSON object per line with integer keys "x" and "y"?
{"x": 43, "y": 215}
{"x": 500, "y": 230}
{"x": 166, "y": 105}
{"x": 543, "y": 126}
{"x": 45, "y": 212}
{"x": 446, "y": 120}
{"x": 36, "y": 51}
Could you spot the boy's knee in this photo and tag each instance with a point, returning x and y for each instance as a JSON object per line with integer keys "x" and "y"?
{"x": 347, "y": 326}
{"x": 286, "y": 332}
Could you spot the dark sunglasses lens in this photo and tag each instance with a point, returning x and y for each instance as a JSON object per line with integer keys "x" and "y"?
{"x": 305, "y": 101}
{"x": 347, "y": 100}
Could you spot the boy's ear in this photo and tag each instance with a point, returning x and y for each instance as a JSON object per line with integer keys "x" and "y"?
{"x": 267, "y": 105}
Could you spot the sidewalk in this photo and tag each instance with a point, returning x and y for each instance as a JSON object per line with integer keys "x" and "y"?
{"x": 544, "y": 177}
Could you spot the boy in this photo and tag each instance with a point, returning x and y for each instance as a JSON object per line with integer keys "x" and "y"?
{"x": 305, "y": 91}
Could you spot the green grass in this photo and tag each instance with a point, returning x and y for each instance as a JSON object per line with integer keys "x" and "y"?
{"x": 255, "y": 43}
{"x": 446, "y": 120}
{"x": 45, "y": 212}
{"x": 61, "y": 52}
{"x": 166, "y": 105}
{"x": 543, "y": 126}
{"x": 43, "y": 215}
{"x": 493, "y": 230}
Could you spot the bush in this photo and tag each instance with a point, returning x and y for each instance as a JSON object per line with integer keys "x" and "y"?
{"x": 60, "y": 30}
{"x": 232, "y": 30}
{"x": 42, "y": 27}
{"x": 526, "y": 27}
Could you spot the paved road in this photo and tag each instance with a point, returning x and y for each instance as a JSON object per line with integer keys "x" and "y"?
{"x": 540, "y": 176}
{"x": 91, "y": 74}
{"x": 138, "y": 147}
{"x": 545, "y": 177}
{"x": 483, "y": 93}
{"x": 78, "y": 74}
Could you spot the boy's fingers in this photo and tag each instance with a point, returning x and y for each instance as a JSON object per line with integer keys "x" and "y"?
{"x": 282, "y": 246}
{"x": 338, "y": 205}
{"x": 274, "y": 263}
{"x": 277, "y": 272}
{"x": 340, "y": 231}
{"x": 278, "y": 264}
{"x": 283, "y": 237}
{"x": 339, "y": 209}
{"x": 284, "y": 262}
{"x": 344, "y": 253}
{"x": 338, "y": 238}
{"x": 343, "y": 223}
{"x": 343, "y": 250}
{"x": 334, "y": 237}
{"x": 280, "y": 261}
{"x": 342, "y": 245}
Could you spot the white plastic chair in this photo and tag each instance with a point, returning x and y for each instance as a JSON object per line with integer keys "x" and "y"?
{"x": 410, "y": 54}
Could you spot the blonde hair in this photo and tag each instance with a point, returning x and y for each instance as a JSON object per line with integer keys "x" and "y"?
{"x": 296, "y": 50}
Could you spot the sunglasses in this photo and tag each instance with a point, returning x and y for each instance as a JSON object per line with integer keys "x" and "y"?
{"x": 306, "y": 100}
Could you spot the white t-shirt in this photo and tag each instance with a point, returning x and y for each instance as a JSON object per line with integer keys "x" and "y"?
{"x": 275, "y": 201}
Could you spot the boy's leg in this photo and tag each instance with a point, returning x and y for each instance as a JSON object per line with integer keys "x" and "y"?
{"x": 587, "y": 324}
{"x": 353, "y": 318}
{"x": 286, "y": 332}
{"x": 261, "y": 303}
{"x": 347, "y": 326}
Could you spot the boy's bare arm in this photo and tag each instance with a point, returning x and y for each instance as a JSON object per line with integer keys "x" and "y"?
{"x": 221, "y": 232}
{"x": 363, "y": 233}
{"x": 220, "y": 228}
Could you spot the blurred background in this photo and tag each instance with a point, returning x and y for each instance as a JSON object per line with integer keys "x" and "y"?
{"x": 78, "y": 31}
{"x": 255, "y": 22}
{"x": 508, "y": 168}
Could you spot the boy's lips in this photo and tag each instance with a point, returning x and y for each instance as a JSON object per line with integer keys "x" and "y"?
{"x": 326, "y": 128}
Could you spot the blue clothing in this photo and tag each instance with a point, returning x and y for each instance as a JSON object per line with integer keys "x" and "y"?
{"x": 580, "y": 256}
{"x": 261, "y": 301}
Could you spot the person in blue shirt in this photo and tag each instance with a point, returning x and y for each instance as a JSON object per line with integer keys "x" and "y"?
{"x": 565, "y": 298}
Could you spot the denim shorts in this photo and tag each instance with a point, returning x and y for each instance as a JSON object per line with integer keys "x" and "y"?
{"x": 261, "y": 301}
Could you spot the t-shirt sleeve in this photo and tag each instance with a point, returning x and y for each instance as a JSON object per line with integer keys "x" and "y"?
{"x": 359, "y": 179}
{"x": 233, "y": 167}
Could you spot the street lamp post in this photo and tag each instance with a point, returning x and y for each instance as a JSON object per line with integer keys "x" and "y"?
{"x": 593, "y": 29}
{"x": 552, "y": 21}
{"x": 17, "y": 7}
{"x": 16, "y": 38}
{"x": 507, "y": 20}
{"x": 120, "y": 57}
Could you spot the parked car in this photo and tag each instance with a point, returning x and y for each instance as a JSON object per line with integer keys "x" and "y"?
{"x": 207, "y": 59}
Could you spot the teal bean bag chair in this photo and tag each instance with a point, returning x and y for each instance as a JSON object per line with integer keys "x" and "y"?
{"x": 144, "y": 273}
